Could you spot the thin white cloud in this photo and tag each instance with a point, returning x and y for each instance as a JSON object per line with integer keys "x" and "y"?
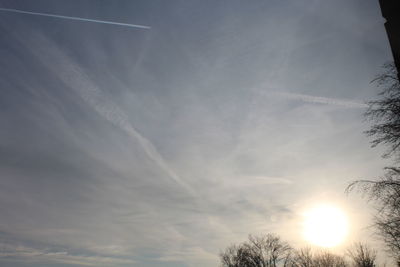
{"x": 29, "y": 254}
{"x": 74, "y": 76}
{"x": 264, "y": 180}
{"x": 75, "y": 18}
{"x": 188, "y": 255}
{"x": 321, "y": 100}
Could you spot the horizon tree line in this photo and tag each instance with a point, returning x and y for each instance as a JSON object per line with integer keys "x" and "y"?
{"x": 270, "y": 250}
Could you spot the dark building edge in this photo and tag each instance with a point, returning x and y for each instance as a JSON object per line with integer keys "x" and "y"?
{"x": 391, "y": 12}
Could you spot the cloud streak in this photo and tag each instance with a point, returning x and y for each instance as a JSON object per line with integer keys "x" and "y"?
{"x": 74, "y": 76}
{"x": 30, "y": 254}
{"x": 75, "y": 18}
{"x": 321, "y": 100}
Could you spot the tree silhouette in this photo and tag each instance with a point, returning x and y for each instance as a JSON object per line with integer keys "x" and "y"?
{"x": 384, "y": 113}
{"x": 271, "y": 251}
{"x": 362, "y": 255}
{"x": 386, "y": 194}
{"x": 302, "y": 258}
{"x": 264, "y": 251}
{"x": 306, "y": 258}
{"x": 327, "y": 259}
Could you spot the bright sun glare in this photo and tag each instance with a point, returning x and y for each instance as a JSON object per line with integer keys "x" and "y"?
{"x": 325, "y": 225}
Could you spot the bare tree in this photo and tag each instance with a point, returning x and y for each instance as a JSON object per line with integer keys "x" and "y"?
{"x": 270, "y": 248}
{"x": 362, "y": 255}
{"x": 233, "y": 257}
{"x": 385, "y": 191}
{"x": 385, "y": 112}
{"x": 302, "y": 258}
{"x": 305, "y": 257}
{"x": 263, "y": 251}
{"x": 328, "y": 259}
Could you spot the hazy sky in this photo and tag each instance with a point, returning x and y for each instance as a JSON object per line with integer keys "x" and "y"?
{"x": 160, "y": 147}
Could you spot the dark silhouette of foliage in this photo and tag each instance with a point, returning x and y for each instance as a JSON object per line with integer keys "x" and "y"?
{"x": 270, "y": 251}
{"x": 385, "y": 111}
{"x": 362, "y": 255}
{"x": 263, "y": 251}
{"x": 302, "y": 258}
{"x": 385, "y": 192}
{"x": 306, "y": 258}
{"x": 327, "y": 259}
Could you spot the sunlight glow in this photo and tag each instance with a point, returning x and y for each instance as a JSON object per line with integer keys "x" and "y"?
{"x": 325, "y": 225}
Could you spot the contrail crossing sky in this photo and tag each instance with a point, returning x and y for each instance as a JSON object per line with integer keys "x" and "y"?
{"x": 76, "y": 18}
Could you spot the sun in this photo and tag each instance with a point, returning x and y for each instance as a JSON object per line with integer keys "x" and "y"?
{"x": 325, "y": 225}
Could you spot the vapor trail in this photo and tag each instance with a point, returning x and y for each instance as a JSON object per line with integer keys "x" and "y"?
{"x": 75, "y": 18}
{"x": 74, "y": 76}
{"x": 322, "y": 100}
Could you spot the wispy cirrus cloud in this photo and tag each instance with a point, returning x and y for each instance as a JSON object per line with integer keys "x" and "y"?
{"x": 74, "y": 76}
{"x": 35, "y": 255}
{"x": 320, "y": 100}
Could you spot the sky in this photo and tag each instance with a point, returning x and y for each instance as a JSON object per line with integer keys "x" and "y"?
{"x": 162, "y": 145}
